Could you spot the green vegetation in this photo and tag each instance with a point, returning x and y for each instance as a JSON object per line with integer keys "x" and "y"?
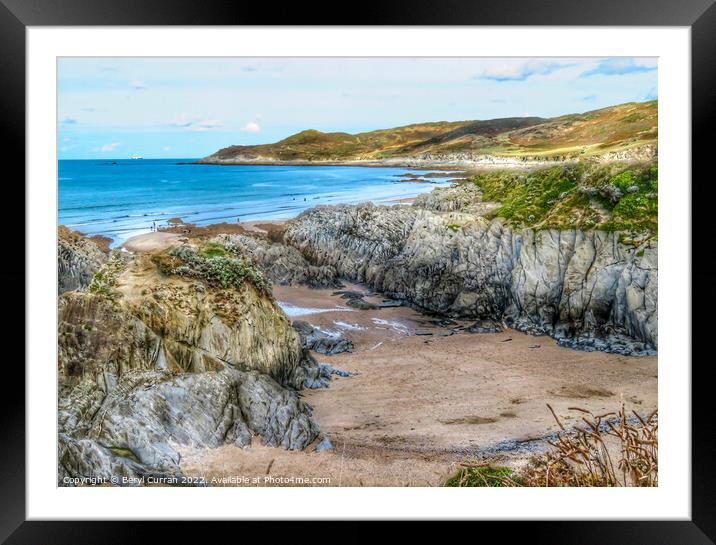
{"x": 213, "y": 249}
{"x": 490, "y": 476}
{"x": 610, "y": 129}
{"x": 104, "y": 280}
{"x": 124, "y": 452}
{"x": 212, "y": 263}
{"x": 613, "y": 197}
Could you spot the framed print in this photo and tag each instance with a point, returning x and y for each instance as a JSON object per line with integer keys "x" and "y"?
{"x": 402, "y": 269}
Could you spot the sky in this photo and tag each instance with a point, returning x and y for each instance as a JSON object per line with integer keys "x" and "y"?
{"x": 190, "y": 107}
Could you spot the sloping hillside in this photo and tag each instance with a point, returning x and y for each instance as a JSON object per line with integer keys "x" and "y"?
{"x": 612, "y": 129}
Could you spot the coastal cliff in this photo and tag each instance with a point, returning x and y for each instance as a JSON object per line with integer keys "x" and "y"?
{"x": 584, "y": 288}
{"x": 569, "y": 251}
{"x": 153, "y": 355}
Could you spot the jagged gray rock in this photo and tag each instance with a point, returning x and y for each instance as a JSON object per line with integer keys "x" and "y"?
{"x": 318, "y": 341}
{"x": 324, "y": 445}
{"x": 78, "y": 258}
{"x": 586, "y": 289}
{"x": 283, "y": 264}
{"x": 144, "y": 415}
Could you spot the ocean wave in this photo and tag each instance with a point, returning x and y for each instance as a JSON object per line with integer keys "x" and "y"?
{"x": 223, "y": 195}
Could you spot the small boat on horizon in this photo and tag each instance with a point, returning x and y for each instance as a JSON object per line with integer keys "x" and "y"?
{"x": 136, "y": 157}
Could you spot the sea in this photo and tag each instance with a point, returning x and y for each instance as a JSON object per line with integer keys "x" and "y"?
{"x": 124, "y": 197}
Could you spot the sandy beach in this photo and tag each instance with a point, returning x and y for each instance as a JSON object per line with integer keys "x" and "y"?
{"x": 152, "y": 242}
{"x": 422, "y": 399}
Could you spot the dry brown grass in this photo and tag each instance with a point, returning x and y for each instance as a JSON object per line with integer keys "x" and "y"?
{"x": 613, "y": 449}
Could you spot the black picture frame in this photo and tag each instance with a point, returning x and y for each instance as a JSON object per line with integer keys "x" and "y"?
{"x": 699, "y": 15}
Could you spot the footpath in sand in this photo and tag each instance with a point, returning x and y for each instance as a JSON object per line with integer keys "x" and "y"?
{"x": 423, "y": 399}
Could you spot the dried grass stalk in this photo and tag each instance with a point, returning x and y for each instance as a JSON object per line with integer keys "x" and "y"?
{"x": 612, "y": 449}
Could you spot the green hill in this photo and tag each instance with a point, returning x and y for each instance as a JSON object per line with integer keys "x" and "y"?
{"x": 613, "y": 129}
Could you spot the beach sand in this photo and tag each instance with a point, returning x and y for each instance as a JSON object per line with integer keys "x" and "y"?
{"x": 152, "y": 242}
{"x": 172, "y": 236}
{"x": 423, "y": 401}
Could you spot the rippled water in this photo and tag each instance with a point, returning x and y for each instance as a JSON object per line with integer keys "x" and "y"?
{"x": 123, "y": 198}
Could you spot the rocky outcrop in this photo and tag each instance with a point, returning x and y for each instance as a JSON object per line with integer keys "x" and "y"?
{"x": 441, "y": 159}
{"x": 319, "y": 341}
{"x": 282, "y": 264}
{"x": 647, "y": 152}
{"x": 142, "y": 418}
{"x": 78, "y": 258}
{"x": 586, "y": 289}
{"x": 426, "y": 160}
{"x": 167, "y": 362}
{"x": 459, "y": 198}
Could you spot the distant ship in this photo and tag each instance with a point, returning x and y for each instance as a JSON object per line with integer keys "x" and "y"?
{"x": 136, "y": 157}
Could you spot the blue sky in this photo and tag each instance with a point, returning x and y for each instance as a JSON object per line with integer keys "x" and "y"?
{"x": 190, "y": 107}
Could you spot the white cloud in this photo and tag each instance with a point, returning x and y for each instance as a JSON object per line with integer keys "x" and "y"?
{"x": 252, "y": 126}
{"x": 621, "y": 66}
{"x": 138, "y": 84}
{"x": 515, "y": 70}
{"x": 205, "y": 125}
{"x": 166, "y": 148}
{"x": 182, "y": 121}
{"x": 195, "y": 124}
{"x": 109, "y": 147}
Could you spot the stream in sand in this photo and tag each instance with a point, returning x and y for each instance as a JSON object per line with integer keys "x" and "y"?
{"x": 424, "y": 399}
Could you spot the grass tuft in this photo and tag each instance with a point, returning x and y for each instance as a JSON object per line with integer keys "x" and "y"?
{"x": 613, "y": 449}
{"x": 488, "y": 475}
{"x": 213, "y": 249}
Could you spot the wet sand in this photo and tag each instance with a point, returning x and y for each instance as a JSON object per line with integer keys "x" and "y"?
{"x": 425, "y": 399}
